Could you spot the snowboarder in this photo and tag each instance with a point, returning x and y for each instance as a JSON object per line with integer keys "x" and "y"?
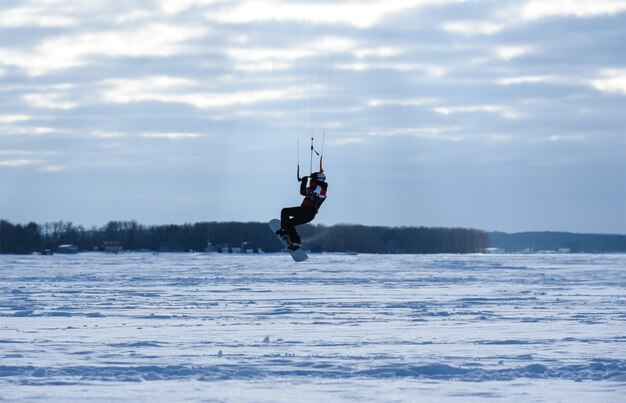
{"x": 314, "y": 195}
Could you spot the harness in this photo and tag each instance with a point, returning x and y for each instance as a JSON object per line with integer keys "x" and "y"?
{"x": 318, "y": 195}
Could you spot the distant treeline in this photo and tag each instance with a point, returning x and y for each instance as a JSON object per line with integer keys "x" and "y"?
{"x": 225, "y": 236}
{"x": 554, "y": 241}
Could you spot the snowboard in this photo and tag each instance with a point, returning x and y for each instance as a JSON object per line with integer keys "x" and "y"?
{"x": 299, "y": 255}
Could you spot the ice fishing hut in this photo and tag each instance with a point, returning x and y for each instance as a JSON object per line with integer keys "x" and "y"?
{"x": 67, "y": 249}
{"x": 494, "y": 251}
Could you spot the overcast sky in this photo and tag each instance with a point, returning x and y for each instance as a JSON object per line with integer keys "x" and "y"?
{"x": 497, "y": 115}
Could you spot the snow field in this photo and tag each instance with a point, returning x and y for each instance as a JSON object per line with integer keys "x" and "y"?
{"x": 210, "y": 327}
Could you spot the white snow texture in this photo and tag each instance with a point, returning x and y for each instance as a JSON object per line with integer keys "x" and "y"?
{"x": 211, "y": 327}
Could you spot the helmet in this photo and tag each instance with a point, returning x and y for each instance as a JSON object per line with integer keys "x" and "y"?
{"x": 320, "y": 176}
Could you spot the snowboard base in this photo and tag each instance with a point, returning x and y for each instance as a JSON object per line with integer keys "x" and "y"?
{"x": 298, "y": 255}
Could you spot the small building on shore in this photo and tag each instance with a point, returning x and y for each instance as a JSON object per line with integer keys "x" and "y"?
{"x": 494, "y": 251}
{"x": 67, "y": 249}
{"x": 111, "y": 247}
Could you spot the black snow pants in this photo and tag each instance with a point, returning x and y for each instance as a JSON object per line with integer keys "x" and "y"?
{"x": 292, "y": 216}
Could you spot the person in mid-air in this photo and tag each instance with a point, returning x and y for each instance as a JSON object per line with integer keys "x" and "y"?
{"x": 314, "y": 195}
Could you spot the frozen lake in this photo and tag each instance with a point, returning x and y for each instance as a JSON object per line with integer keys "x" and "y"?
{"x": 208, "y": 327}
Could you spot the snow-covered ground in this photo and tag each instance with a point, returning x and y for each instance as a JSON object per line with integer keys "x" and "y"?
{"x": 208, "y": 327}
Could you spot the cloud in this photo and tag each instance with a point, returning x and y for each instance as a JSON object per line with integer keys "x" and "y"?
{"x": 611, "y": 81}
{"x": 49, "y": 101}
{"x": 537, "y": 9}
{"x": 358, "y": 14}
{"x": 27, "y": 130}
{"x": 18, "y": 163}
{"x": 33, "y": 14}
{"x": 381, "y": 51}
{"x": 67, "y": 51}
{"x": 499, "y": 138}
{"x": 501, "y": 110}
{"x": 171, "y": 136}
{"x": 52, "y": 168}
{"x": 473, "y": 28}
{"x": 258, "y": 59}
{"x": 502, "y": 18}
{"x": 255, "y": 58}
{"x": 436, "y": 133}
{"x": 107, "y": 134}
{"x": 568, "y": 137}
{"x": 429, "y": 70}
{"x": 402, "y": 102}
{"x": 172, "y": 7}
{"x": 15, "y": 118}
{"x": 345, "y": 141}
{"x": 511, "y": 52}
{"x": 178, "y": 90}
{"x": 527, "y": 80}
{"x": 62, "y": 14}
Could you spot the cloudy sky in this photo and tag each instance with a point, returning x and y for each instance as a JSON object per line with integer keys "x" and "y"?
{"x": 497, "y": 115}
